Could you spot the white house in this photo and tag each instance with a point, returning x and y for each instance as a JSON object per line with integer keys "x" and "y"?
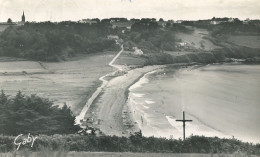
{"x": 113, "y": 37}
{"x": 138, "y": 51}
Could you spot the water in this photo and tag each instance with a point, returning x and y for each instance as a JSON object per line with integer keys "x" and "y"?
{"x": 222, "y": 100}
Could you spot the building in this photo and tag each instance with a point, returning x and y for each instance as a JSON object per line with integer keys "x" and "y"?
{"x": 88, "y": 21}
{"x": 23, "y": 18}
{"x": 112, "y": 37}
{"x": 178, "y": 21}
{"x": 22, "y": 22}
{"x": 215, "y": 22}
{"x": 4, "y": 25}
{"x": 246, "y": 21}
{"x": 138, "y": 51}
{"x": 122, "y": 25}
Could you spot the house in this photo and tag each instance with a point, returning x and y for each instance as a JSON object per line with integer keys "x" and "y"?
{"x": 112, "y": 37}
{"x": 138, "y": 51}
{"x": 182, "y": 44}
{"x": 89, "y": 21}
{"x": 122, "y": 25}
{"x": 178, "y": 21}
{"x": 215, "y": 22}
{"x": 231, "y": 20}
{"x": 246, "y": 21}
{"x": 162, "y": 23}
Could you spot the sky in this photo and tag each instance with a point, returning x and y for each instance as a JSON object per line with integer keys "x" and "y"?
{"x": 61, "y": 10}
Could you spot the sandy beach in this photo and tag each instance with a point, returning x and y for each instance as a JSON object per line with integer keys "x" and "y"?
{"x": 110, "y": 107}
{"x": 222, "y": 100}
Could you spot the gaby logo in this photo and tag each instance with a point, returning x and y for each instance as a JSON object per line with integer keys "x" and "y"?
{"x": 29, "y": 139}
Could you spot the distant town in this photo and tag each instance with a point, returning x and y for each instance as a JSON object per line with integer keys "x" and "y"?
{"x": 127, "y": 23}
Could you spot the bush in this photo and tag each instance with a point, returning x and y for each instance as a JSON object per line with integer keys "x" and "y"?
{"x": 135, "y": 143}
{"x": 48, "y": 41}
{"x": 31, "y": 114}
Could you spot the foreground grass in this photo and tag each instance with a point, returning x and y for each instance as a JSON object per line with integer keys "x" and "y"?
{"x": 65, "y": 144}
{"x": 47, "y": 153}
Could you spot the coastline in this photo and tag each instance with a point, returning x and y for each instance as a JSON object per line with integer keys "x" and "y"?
{"x": 103, "y": 82}
{"x": 110, "y": 109}
{"x": 109, "y": 113}
{"x": 135, "y": 112}
{"x": 128, "y": 108}
{"x": 139, "y": 97}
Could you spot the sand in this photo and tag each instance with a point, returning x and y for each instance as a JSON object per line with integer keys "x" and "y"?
{"x": 222, "y": 101}
{"x": 107, "y": 109}
{"x": 109, "y": 106}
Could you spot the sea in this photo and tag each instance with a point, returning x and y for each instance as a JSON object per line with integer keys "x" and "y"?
{"x": 222, "y": 100}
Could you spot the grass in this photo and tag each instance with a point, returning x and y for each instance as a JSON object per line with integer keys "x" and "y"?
{"x": 244, "y": 40}
{"x": 46, "y": 152}
{"x": 69, "y": 82}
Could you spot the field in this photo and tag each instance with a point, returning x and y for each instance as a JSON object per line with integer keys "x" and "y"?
{"x": 196, "y": 39}
{"x": 3, "y": 27}
{"x": 128, "y": 58}
{"x": 194, "y": 42}
{"x": 71, "y": 82}
{"x": 245, "y": 40}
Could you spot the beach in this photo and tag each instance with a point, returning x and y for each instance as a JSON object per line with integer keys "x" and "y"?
{"x": 109, "y": 107}
{"x": 222, "y": 100}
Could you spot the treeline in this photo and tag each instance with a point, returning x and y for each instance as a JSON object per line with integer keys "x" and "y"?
{"x": 225, "y": 27}
{"x": 219, "y": 55}
{"x": 250, "y": 55}
{"x": 134, "y": 143}
{"x": 233, "y": 28}
{"x": 32, "y": 114}
{"x": 48, "y": 41}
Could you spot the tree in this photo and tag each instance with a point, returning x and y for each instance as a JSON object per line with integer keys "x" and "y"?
{"x": 35, "y": 115}
{"x": 3, "y": 98}
{"x": 47, "y": 41}
{"x": 9, "y": 20}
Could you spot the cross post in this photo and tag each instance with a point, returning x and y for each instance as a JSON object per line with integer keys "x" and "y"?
{"x": 184, "y": 120}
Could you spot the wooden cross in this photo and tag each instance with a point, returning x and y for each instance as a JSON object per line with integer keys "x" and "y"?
{"x": 184, "y": 120}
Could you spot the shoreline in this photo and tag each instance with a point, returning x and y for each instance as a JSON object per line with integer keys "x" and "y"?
{"x": 225, "y": 135}
{"x": 108, "y": 93}
{"x": 103, "y": 82}
{"x": 110, "y": 113}
{"x": 129, "y": 108}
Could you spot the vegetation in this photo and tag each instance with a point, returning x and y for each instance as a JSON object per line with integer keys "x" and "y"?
{"x": 234, "y": 28}
{"x": 9, "y": 21}
{"x": 53, "y": 41}
{"x": 32, "y": 114}
{"x": 225, "y": 27}
{"x": 151, "y": 38}
{"x": 135, "y": 143}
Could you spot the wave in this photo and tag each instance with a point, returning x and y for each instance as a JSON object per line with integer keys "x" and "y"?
{"x": 141, "y": 81}
{"x": 149, "y": 102}
{"x": 138, "y": 95}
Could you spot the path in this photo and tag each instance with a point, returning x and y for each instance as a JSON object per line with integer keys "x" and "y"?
{"x": 99, "y": 89}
